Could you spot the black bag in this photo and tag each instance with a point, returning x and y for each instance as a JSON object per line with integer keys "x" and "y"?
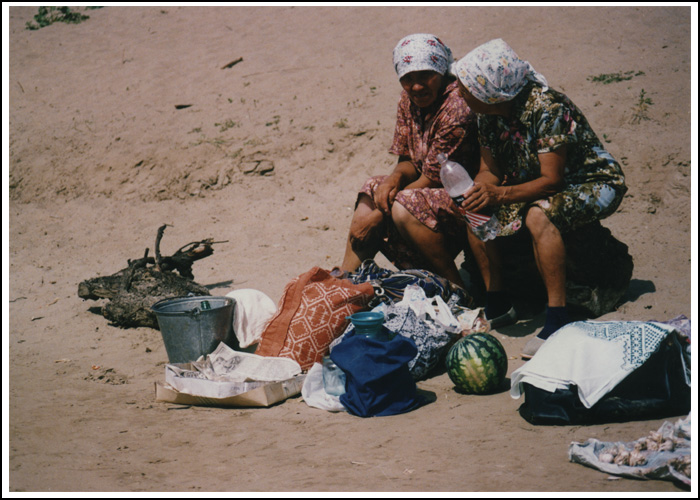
{"x": 660, "y": 388}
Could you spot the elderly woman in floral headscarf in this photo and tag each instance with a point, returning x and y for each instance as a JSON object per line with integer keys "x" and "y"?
{"x": 407, "y": 215}
{"x": 542, "y": 167}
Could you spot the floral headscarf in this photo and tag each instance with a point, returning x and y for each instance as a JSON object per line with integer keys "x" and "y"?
{"x": 494, "y": 73}
{"x": 420, "y": 52}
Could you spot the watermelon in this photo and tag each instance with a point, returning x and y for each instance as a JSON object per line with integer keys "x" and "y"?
{"x": 477, "y": 364}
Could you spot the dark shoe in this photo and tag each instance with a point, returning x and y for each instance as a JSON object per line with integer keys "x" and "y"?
{"x": 533, "y": 345}
{"x": 504, "y": 319}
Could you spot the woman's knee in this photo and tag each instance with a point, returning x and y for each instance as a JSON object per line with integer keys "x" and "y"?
{"x": 366, "y": 229}
{"x": 400, "y": 216}
{"x": 539, "y": 224}
{"x": 535, "y": 217}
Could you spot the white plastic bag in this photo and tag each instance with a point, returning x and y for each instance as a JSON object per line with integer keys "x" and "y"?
{"x": 434, "y": 308}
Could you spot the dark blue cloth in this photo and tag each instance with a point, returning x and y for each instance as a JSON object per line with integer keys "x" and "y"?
{"x": 378, "y": 382}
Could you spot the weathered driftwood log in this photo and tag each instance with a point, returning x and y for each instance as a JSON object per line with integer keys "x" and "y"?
{"x": 598, "y": 270}
{"x": 132, "y": 307}
{"x": 133, "y": 290}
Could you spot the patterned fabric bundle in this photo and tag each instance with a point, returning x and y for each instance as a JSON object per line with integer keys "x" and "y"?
{"x": 431, "y": 339}
{"x": 389, "y": 286}
{"x": 312, "y": 313}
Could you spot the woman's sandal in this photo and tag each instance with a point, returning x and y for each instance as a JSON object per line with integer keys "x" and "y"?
{"x": 533, "y": 345}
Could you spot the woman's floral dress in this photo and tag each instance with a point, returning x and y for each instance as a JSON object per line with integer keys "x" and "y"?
{"x": 452, "y": 131}
{"x": 541, "y": 122}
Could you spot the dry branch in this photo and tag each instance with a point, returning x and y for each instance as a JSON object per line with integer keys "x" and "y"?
{"x": 133, "y": 290}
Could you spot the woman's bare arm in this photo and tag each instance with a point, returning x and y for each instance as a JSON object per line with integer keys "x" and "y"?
{"x": 487, "y": 189}
{"x": 404, "y": 176}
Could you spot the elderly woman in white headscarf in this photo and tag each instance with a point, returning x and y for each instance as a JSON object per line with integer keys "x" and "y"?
{"x": 542, "y": 167}
{"x": 407, "y": 215}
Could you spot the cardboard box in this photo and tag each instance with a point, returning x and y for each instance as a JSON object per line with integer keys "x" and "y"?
{"x": 263, "y": 396}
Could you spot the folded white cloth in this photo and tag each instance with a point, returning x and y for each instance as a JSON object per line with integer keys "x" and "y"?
{"x": 593, "y": 355}
{"x": 251, "y": 313}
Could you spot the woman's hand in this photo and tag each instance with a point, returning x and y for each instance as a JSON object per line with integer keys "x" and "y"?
{"x": 480, "y": 196}
{"x": 486, "y": 189}
{"x": 403, "y": 175}
{"x": 386, "y": 192}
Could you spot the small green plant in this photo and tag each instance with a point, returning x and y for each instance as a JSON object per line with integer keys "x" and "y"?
{"x": 342, "y": 123}
{"x": 226, "y": 125}
{"x": 50, "y": 15}
{"x": 606, "y": 78}
{"x": 641, "y": 108}
{"x": 216, "y": 141}
{"x": 275, "y": 121}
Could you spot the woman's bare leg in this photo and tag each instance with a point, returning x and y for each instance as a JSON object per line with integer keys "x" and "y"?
{"x": 488, "y": 259}
{"x": 364, "y": 238}
{"x": 429, "y": 243}
{"x": 550, "y": 255}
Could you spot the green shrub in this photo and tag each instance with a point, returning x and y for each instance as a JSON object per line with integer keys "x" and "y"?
{"x": 50, "y": 15}
{"x": 641, "y": 108}
{"x": 606, "y": 78}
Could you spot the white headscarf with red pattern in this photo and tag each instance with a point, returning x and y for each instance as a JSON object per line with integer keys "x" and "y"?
{"x": 420, "y": 52}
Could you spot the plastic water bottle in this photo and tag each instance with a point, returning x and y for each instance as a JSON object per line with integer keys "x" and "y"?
{"x": 457, "y": 181}
{"x": 333, "y": 377}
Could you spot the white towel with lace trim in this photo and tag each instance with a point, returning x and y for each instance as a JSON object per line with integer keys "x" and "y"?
{"x": 593, "y": 355}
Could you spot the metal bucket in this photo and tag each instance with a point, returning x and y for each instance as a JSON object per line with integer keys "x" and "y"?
{"x": 194, "y": 326}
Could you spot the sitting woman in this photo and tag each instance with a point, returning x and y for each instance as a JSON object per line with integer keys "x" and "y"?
{"x": 542, "y": 167}
{"x": 407, "y": 215}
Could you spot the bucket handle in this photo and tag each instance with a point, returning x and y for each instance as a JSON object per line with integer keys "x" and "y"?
{"x": 195, "y": 312}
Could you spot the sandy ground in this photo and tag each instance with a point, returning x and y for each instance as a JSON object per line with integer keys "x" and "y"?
{"x": 101, "y": 153}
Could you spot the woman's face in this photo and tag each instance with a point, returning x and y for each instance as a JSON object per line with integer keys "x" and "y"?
{"x": 422, "y": 87}
{"x": 475, "y": 104}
